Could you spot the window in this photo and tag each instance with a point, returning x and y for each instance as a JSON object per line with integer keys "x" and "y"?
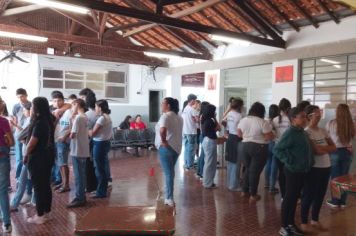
{"x": 328, "y": 81}
{"x": 111, "y": 84}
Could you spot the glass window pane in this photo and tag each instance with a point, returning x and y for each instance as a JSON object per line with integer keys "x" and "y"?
{"x": 116, "y": 77}
{"x": 115, "y": 92}
{"x": 308, "y": 84}
{"x": 55, "y": 74}
{"x": 328, "y": 83}
{"x": 331, "y": 75}
{"x": 308, "y": 97}
{"x": 352, "y": 58}
{"x": 52, "y": 84}
{"x": 325, "y": 61}
{"x": 351, "y": 96}
{"x": 308, "y": 90}
{"x": 328, "y": 104}
{"x": 352, "y": 74}
{"x": 74, "y": 85}
{"x": 352, "y": 66}
{"x": 95, "y": 76}
{"x": 308, "y": 77}
{"x": 351, "y": 89}
{"x": 351, "y": 82}
{"x": 330, "y": 90}
{"x": 95, "y": 85}
{"x": 308, "y": 70}
{"x": 330, "y": 97}
{"x": 73, "y": 75}
{"x": 308, "y": 63}
{"x": 332, "y": 68}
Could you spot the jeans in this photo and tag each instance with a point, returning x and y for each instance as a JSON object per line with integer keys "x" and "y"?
{"x": 254, "y": 158}
{"x": 23, "y": 183}
{"x": 107, "y": 169}
{"x": 210, "y": 159}
{"x": 40, "y": 167}
{"x": 294, "y": 185}
{"x": 189, "y": 141}
{"x": 100, "y": 155}
{"x": 79, "y": 171}
{"x": 201, "y": 157}
{"x": 4, "y": 184}
{"x": 90, "y": 171}
{"x": 18, "y": 158}
{"x": 62, "y": 154}
{"x": 315, "y": 187}
{"x": 340, "y": 165}
{"x": 271, "y": 169}
{"x": 168, "y": 158}
{"x": 233, "y": 170}
{"x": 56, "y": 174}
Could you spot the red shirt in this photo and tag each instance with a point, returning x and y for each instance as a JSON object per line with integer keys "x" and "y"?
{"x": 135, "y": 125}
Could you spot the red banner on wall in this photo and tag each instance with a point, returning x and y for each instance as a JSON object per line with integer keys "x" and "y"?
{"x": 284, "y": 74}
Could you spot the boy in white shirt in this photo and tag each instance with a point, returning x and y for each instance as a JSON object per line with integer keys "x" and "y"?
{"x": 79, "y": 151}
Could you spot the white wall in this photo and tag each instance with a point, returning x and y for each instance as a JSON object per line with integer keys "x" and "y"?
{"x": 18, "y": 75}
{"x": 285, "y": 89}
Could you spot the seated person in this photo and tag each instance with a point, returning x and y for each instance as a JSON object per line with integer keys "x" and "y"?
{"x": 126, "y": 123}
{"x": 138, "y": 123}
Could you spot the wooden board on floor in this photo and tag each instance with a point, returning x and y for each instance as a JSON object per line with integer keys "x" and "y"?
{"x": 127, "y": 221}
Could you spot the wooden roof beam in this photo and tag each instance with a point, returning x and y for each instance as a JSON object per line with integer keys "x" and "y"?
{"x": 328, "y": 11}
{"x": 283, "y": 15}
{"x": 169, "y": 21}
{"x": 82, "y": 21}
{"x": 304, "y": 13}
{"x": 4, "y": 4}
{"x": 124, "y": 46}
{"x": 185, "y": 12}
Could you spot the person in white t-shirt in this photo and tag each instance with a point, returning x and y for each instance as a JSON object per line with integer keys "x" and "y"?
{"x": 256, "y": 134}
{"x": 61, "y": 138}
{"x": 341, "y": 131}
{"x": 79, "y": 151}
{"x": 317, "y": 179}
{"x": 232, "y": 156}
{"x": 280, "y": 124}
{"x": 101, "y": 133}
{"x": 168, "y": 141}
{"x": 190, "y": 119}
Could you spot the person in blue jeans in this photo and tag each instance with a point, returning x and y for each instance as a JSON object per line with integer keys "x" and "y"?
{"x": 271, "y": 169}
{"x": 168, "y": 141}
{"x": 6, "y": 141}
{"x": 341, "y": 131}
{"x": 101, "y": 134}
{"x": 190, "y": 120}
{"x": 79, "y": 151}
{"x": 201, "y": 155}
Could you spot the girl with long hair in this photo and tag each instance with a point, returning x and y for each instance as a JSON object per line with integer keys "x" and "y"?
{"x": 40, "y": 155}
{"x": 342, "y": 131}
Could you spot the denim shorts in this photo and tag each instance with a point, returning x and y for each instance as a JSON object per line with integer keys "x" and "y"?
{"x": 62, "y": 152}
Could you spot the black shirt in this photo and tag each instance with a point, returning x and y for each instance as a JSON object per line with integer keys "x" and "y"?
{"x": 209, "y": 128}
{"x": 124, "y": 125}
{"x": 45, "y": 135}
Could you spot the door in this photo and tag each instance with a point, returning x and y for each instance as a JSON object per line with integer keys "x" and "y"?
{"x": 155, "y": 99}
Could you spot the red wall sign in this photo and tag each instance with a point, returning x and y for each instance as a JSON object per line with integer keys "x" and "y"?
{"x": 284, "y": 74}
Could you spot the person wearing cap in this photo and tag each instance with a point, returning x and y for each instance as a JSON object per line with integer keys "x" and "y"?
{"x": 190, "y": 119}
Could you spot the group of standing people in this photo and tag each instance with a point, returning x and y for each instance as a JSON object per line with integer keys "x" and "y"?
{"x": 45, "y": 136}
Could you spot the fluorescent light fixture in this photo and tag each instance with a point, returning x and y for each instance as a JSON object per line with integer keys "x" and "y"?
{"x": 23, "y": 36}
{"x": 337, "y": 66}
{"x": 226, "y": 39}
{"x": 59, "y": 5}
{"x": 329, "y": 61}
{"x": 161, "y": 55}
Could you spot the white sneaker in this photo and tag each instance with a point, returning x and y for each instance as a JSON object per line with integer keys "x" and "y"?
{"x": 25, "y": 199}
{"x": 6, "y": 228}
{"x": 47, "y": 216}
{"x": 169, "y": 202}
{"x": 37, "y": 219}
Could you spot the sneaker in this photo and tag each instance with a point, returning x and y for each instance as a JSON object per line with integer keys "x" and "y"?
{"x": 25, "y": 199}
{"x": 169, "y": 202}
{"x": 109, "y": 185}
{"x": 285, "y": 231}
{"x": 7, "y": 228}
{"x": 295, "y": 230}
{"x": 211, "y": 187}
{"x": 37, "y": 219}
{"x": 343, "y": 206}
{"x": 331, "y": 204}
{"x": 255, "y": 198}
{"x": 76, "y": 203}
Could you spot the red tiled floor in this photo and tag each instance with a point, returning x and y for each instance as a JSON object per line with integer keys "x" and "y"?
{"x": 199, "y": 211}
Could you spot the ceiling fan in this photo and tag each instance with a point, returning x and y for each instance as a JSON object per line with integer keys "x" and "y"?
{"x": 11, "y": 55}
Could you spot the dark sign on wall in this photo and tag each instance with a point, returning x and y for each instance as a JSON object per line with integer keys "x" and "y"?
{"x": 193, "y": 80}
